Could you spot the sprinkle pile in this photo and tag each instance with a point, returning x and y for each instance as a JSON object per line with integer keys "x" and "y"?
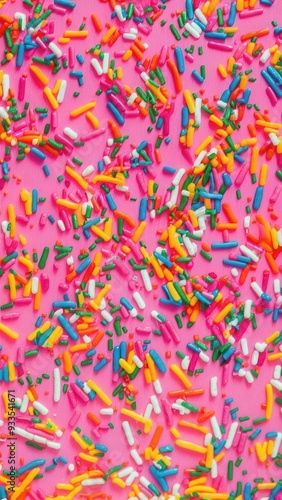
{"x": 141, "y": 302}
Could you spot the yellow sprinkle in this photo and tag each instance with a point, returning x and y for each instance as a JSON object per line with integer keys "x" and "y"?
{"x": 261, "y": 451}
{"x": 222, "y": 71}
{"x": 195, "y": 482}
{"x": 157, "y": 267}
{"x": 63, "y": 40}
{"x": 200, "y": 489}
{"x": 54, "y": 337}
{"x": 92, "y": 119}
{"x": 129, "y": 368}
{"x": 263, "y": 123}
{"x": 50, "y": 97}
{"x": 39, "y": 74}
{"x": 266, "y": 486}
{"x": 78, "y": 479}
{"x": 108, "y": 35}
{"x": 76, "y": 34}
{"x": 99, "y": 392}
{"x": 74, "y": 492}
{"x": 209, "y": 457}
{"x": 190, "y": 102}
{"x": 272, "y": 337}
{"x": 269, "y": 401}
{"x": 12, "y": 285}
{"x": 270, "y": 446}
{"x": 119, "y": 482}
{"x": 63, "y": 486}
{"x": 274, "y": 238}
{"x": 77, "y": 177}
{"x": 152, "y": 367}
{"x": 179, "y": 373}
{"x": 67, "y": 204}
{"x": 27, "y": 480}
{"x": 11, "y": 371}
{"x": 204, "y": 144}
{"x": 220, "y": 456}
{"x": 273, "y": 357}
{"x": 105, "y": 178}
{"x": 56, "y": 87}
{"x": 199, "y": 428}
{"x": 88, "y": 458}
{"x": 223, "y": 313}
{"x": 79, "y": 347}
{"x": 5, "y": 329}
{"x": 12, "y": 220}
{"x": 191, "y": 446}
{"x": 216, "y": 120}
{"x": 22, "y": 239}
{"x": 79, "y": 440}
{"x": 175, "y": 432}
{"x": 139, "y": 418}
{"x": 138, "y": 232}
{"x": 263, "y": 174}
{"x": 82, "y": 109}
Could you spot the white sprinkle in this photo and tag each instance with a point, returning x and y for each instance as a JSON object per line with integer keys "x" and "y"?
{"x": 129, "y": 480}
{"x": 61, "y": 225}
{"x": 128, "y": 432}
{"x": 157, "y": 386}
{"x": 215, "y": 427}
{"x": 214, "y": 469}
{"x": 91, "y": 288}
{"x": 57, "y": 385}
{"x": 208, "y": 438}
{"x": 62, "y": 92}
{"x": 276, "y": 285}
{"x": 277, "y": 442}
{"x": 265, "y": 56}
{"x": 256, "y": 288}
{"x": 247, "y": 308}
{"x": 55, "y": 49}
{"x": 198, "y": 114}
{"x": 199, "y": 14}
{"x": 5, "y": 86}
{"x": 213, "y": 387}
{"x": 155, "y": 403}
{"x": 96, "y": 65}
{"x": 231, "y": 434}
{"x": 276, "y": 383}
{"x": 107, "y": 411}
{"x": 139, "y": 300}
{"x": 24, "y": 403}
{"x": 244, "y": 346}
{"x": 249, "y": 377}
{"x": 148, "y": 410}
{"x": 69, "y": 132}
{"x": 125, "y": 472}
{"x": 255, "y": 357}
{"x": 34, "y": 284}
{"x": 107, "y": 316}
{"x": 40, "y": 407}
{"x": 106, "y": 62}
{"x": 92, "y": 481}
{"x": 277, "y": 372}
{"x": 136, "y": 457}
{"x": 249, "y": 253}
{"x": 178, "y": 176}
